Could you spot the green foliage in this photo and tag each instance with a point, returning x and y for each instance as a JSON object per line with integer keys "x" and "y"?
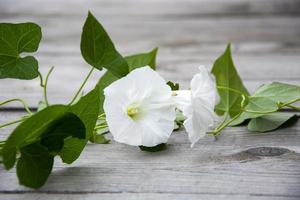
{"x": 268, "y": 98}
{"x": 159, "y": 147}
{"x": 227, "y": 76}
{"x": 98, "y": 50}
{"x": 269, "y": 122}
{"x": 34, "y": 166}
{"x": 87, "y": 109}
{"x": 16, "y": 39}
{"x": 30, "y": 131}
{"x": 143, "y": 59}
{"x": 99, "y": 137}
{"x": 64, "y": 130}
{"x": 72, "y": 149}
{"x": 107, "y": 79}
{"x": 42, "y": 105}
{"x": 67, "y": 126}
{"x": 173, "y": 86}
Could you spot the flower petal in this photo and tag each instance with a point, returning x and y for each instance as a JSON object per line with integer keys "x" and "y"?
{"x": 204, "y": 86}
{"x": 144, "y": 87}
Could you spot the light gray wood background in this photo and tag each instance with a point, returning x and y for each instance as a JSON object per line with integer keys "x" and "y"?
{"x": 240, "y": 165}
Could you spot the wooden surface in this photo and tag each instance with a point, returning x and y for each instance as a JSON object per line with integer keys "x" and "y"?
{"x": 240, "y": 165}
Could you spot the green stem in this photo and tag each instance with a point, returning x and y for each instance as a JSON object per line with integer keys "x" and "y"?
{"x": 82, "y": 85}
{"x": 218, "y": 130}
{"x": 224, "y": 120}
{"x": 101, "y": 115}
{"x": 19, "y": 100}
{"x": 280, "y": 105}
{"x": 259, "y": 112}
{"x": 12, "y": 122}
{"x": 288, "y": 103}
{"x": 45, "y": 86}
{"x": 100, "y": 127}
{"x": 230, "y": 89}
{"x": 41, "y": 80}
{"x": 293, "y": 107}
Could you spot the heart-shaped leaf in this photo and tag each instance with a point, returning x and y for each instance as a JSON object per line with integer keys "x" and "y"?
{"x": 87, "y": 109}
{"x": 30, "y": 131}
{"x": 228, "y": 77}
{"x": 266, "y": 99}
{"x": 69, "y": 125}
{"x": 99, "y": 51}
{"x": 34, "y": 166}
{"x": 14, "y": 40}
{"x": 269, "y": 122}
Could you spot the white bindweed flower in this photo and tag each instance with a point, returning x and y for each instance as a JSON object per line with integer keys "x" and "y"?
{"x": 139, "y": 108}
{"x": 197, "y": 105}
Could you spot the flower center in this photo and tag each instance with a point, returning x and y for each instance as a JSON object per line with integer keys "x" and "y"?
{"x": 134, "y": 111}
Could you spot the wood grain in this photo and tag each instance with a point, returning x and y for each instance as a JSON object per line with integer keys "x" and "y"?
{"x": 240, "y": 165}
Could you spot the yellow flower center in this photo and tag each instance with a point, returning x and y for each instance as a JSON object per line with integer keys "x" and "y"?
{"x": 134, "y": 111}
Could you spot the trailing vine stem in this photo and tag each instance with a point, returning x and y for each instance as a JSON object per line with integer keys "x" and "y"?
{"x": 19, "y": 100}
{"x": 45, "y": 86}
{"x": 224, "y": 124}
{"x": 279, "y": 106}
{"x": 232, "y": 90}
{"x": 293, "y": 107}
{"x": 14, "y": 122}
{"x": 41, "y": 79}
{"x": 81, "y": 87}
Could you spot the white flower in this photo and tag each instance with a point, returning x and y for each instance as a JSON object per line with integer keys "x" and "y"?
{"x": 197, "y": 105}
{"x": 139, "y": 108}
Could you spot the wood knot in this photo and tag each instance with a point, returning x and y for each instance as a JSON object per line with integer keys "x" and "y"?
{"x": 267, "y": 151}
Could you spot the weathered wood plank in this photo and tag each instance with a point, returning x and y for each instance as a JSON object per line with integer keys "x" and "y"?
{"x": 127, "y": 30}
{"x": 154, "y": 7}
{"x": 239, "y": 164}
{"x": 71, "y": 70}
{"x": 138, "y": 196}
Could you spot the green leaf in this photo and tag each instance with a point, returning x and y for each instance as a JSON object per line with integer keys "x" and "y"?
{"x": 87, "y": 109}
{"x": 244, "y": 117}
{"x": 72, "y": 149}
{"x": 269, "y": 122}
{"x": 143, "y": 59}
{"x": 99, "y": 138}
{"x": 276, "y": 92}
{"x": 30, "y": 131}
{"x": 107, "y": 79}
{"x": 42, "y": 105}
{"x": 34, "y": 166}
{"x": 16, "y": 39}
{"x": 227, "y": 76}
{"x": 173, "y": 86}
{"x": 98, "y": 50}
{"x": 67, "y": 126}
{"x": 266, "y": 99}
{"x": 159, "y": 147}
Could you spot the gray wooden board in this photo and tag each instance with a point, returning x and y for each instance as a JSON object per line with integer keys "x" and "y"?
{"x": 146, "y": 7}
{"x": 240, "y": 165}
{"x": 70, "y": 72}
{"x": 265, "y": 36}
{"x": 139, "y": 196}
